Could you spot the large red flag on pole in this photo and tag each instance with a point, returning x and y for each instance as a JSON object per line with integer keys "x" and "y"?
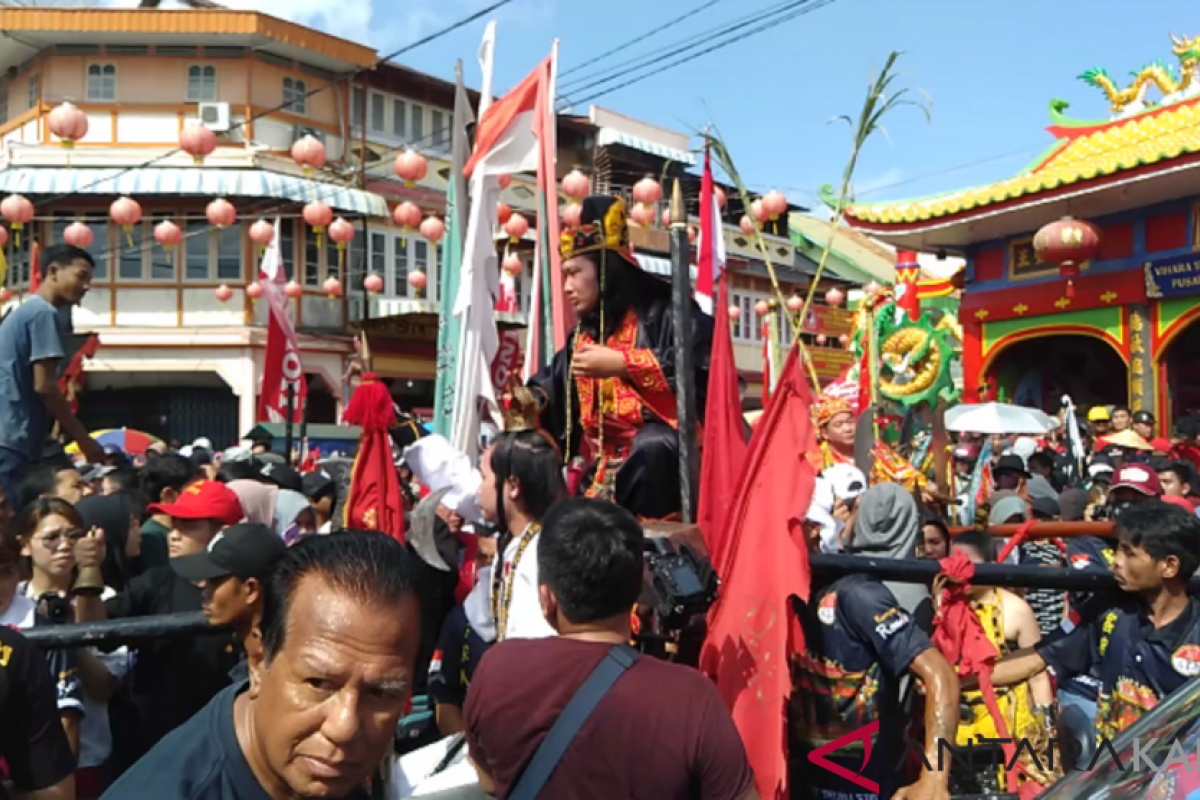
{"x": 750, "y": 635}
{"x": 281, "y": 361}
{"x": 711, "y": 250}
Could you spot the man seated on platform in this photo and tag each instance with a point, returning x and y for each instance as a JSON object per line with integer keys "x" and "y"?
{"x": 834, "y": 419}
{"x": 609, "y": 394}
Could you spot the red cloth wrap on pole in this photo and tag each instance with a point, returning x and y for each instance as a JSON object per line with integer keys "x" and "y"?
{"x": 374, "y": 501}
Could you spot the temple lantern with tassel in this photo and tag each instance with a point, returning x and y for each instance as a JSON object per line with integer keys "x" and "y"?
{"x": 410, "y": 167}
{"x": 309, "y": 152}
{"x": 332, "y": 287}
{"x": 341, "y": 233}
{"x": 69, "y": 124}
{"x": 735, "y": 312}
{"x": 516, "y": 227}
{"x": 224, "y": 293}
{"x": 407, "y": 215}
{"x": 168, "y": 234}
{"x": 642, "y": 215}
{"x": 1069, "y": 243}
{"x": 262, "y": 233}
{"x": 505, "y": 180}
{"x": 433, "y": 229}
{"x": 318, "y": 216}
{"x": 503, "y": 213}
{"x": 197, "y": 141}
{"x": 774, "y": 204}
{"x": 418, "y": 280}
{"x": 293, "y": 290}
{"x": 19, "y": 212}
{"x": 720, "y": 193}
{"x": 575, "y": 185}
{"x": 79, "y": 235}
{"x": 746, "y": 224}
{"x": 126, "y": 212}
{"x": 254, "y": 291}
{"x": 373, "y": 283}
{"x": 512, "y": 264}
{"x": 220, "y": 213}
{"x": 647, "y": 191}
{"x": 572, "y": 215}
{"x": 759, "y": 210}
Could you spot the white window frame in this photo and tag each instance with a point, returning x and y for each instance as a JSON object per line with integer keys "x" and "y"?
{"x": 295, "y": 95}
{"x": 4, "y": 103}
{"x": 101, "y": 96}
{"x": 34, "y": 88}
{"x": 213, "y": 238}
{"x": 416, "y": 119}
{"x": 207, "y": 79}
{"x": 391, "y": 242}
{"x": 401, "y": 105}
{"x": 358, "y": 106}
{"x": 382, "y": 99}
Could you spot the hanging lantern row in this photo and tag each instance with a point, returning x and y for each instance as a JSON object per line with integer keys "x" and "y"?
{"x": 77, "y": 234}
{"x": 1069, "y": 243}
{"x": 262, "y": 233}
{"x": 576, "y": 185}
{"x": 373, "y": 283}
{"x": 332, "y": 287}
{"x": 417, "y": 280}
{"x": 647, "y": 192}
{"x": 69, "y": 124}
{"x": 221, "y": 213}
{"x": 411, "y": 167}
{"x": 516, "y": 227}
{"x": 407, "y": 215}
{"x": 512, "y": 264}
{"x": 735, "y": 313}
{"x": 168, "y": 234}
{"x": 309, "y": 152}
{"x": 835, "y": 297}
{"x": 642, "y": 215}
{"x": 317, "y": 215}
{"x": 293, "y": 290}
{"x": 503, "y": 213}
{"x": 198, "y": 141}
{"x": 341, "y": 233}
{"x": 572, "y": 215}
{"x": 19, "y": 212}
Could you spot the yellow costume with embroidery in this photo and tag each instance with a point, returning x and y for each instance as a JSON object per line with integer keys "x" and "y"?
{"x": 889, "y": 466}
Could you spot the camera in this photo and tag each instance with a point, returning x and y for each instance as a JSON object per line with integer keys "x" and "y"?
{"x": 682, "y": 584}
{"x": 56, "y": 608}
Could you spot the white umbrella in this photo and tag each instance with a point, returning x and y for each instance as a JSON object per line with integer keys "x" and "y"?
{"x": 999, "y": 418}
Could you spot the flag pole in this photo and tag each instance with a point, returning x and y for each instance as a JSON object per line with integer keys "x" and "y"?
{"x": 287, "y": 436}
{"x": 685, "y": 379}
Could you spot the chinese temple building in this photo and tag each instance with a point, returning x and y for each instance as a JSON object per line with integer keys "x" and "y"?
{"x": 1116, "y": 326}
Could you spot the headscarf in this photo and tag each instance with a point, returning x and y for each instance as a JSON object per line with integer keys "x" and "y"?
{"x": 887, "y": 526}
{"x": 288, "y": 506}
{"x": 1007, "y": 507}
{"x": 258, "y": 500}
{"x": 112, "y": 514}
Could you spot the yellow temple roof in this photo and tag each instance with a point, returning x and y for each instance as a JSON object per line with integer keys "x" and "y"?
{"x": 1083, "y": 152}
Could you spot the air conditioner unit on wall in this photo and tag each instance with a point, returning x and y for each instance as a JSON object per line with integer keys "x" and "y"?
{"x": 215, "y": 116}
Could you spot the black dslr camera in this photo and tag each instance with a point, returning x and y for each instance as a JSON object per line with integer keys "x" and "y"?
{"x": 56, "y": 608}
{"x": 681, "y": 587}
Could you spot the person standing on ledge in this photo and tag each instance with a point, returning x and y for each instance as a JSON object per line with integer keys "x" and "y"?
{"x": 30, "y": 351}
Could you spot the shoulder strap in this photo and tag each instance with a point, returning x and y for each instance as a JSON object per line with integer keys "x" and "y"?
{"x": 619, "y": 659}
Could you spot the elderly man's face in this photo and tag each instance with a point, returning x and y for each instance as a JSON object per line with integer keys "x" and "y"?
{"x": 324, "y": 710}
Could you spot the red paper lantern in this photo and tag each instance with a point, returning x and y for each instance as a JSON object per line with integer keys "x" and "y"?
{"x": 572, "y": 215}
{"x": 341, "y": 232}
{"x": 795, "y": 303}
{"x": 18, "y": 211}
{"x": 720, "y": 193}
{"x": 417, "y": 280}
{"x": 126, "y": 212}
{"x": 6, "y": 294}
{"x": 373, "y": 283}
{"x": 168, "y": 234}
{"x": 516, "y": 227}
{"x": 512, "y": 264}
{"x": 774, "y": 204}
{"x": 221, "y": 213}
{"x": 873, "y": 288}
{"x": 411, "y": 167}
{"x": 262, "y": 233}
{"x": 760, "y": 213}
{"x": 1069, "y": 243}
{"x": 666, "y": 217}
{"x": 505, "y": 181}
{"x": 318, "y": 216}
{"x": 224, "y": 293}
{"x": 197, "y": 141}
{"x": 309, "y": 152}
{"x": 254, "y": 290}
{"x": 735, "y": 313}
{"x": 844, "y": 339}
{"x": 503, "y": 213}
{"x": 647, "y": 191}
{"x": 762, "y": 307}
{"x": 642, "y": 215}
{"x": 747, "y": 225}
{"x": 822, "y": 339}
{"x": 332, "y": 287}
{"x": 407, "y": 215}
{"x": 433, "y": 229}
{"x": 834, "y": 297}
{"x": 293, "y": 289}
{"x": 79, "y": 235}
{"x": 575, "y": 185}
{"x": 69, "y": 124}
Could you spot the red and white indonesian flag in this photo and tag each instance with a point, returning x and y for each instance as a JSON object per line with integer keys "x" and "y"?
{"x": 281, "y": 363}
{"x": 711, "y": 252}
{"x": 515, "y": 134}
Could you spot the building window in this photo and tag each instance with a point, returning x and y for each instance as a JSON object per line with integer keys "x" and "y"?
{"x": 202, "y": 84}
{"x": 378, "y": 255}
{"x": 162, "y": 260}
{"x": 357, "y": 105}
{"x": 196, "y": 248}
{"x": 295, "y": 96}
{"x": 133, "y": 253}
{"x": 331, "y": 258}
{"x": 101, "y": 83}
{"x": 399, "y": 118}
{"x": 421, "y": 259}
{"x": 400, "y": 266}
{"x": 229, "y": 253}
{"x": 99, "y": 246}
{"x": 3, "y": 103}
{"x": 312, "y": 259}
{"x": 287, "y": 248}
{"x": 33, "y": 89}
{"x": 436, "y": 280}
{"x": 378, "y": 113}
{"x": 443, "y": 122}
{"x": 416, "y": 128}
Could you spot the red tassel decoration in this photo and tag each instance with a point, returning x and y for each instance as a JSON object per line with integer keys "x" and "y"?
{"x": 371, "y": 406}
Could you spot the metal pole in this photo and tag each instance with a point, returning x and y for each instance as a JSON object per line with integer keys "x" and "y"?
{"x": 291, "y": 405}
{"x": 303, "y": 431}
{"x": 122, "y": 630}
{"x": 685, "y": 377}
{"x": 915, "y": 570}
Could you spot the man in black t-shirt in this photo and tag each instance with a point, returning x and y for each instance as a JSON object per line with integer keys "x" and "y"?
{"x": 340, "y": 630}
{"x": 454, "y": 662}
{"x": 32, "y": 742}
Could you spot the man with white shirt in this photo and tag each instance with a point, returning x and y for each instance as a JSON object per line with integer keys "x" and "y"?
{"x": 522, "y": 478}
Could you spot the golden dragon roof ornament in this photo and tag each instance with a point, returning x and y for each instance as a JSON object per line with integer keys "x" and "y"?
{"x": 1132, "y": 99}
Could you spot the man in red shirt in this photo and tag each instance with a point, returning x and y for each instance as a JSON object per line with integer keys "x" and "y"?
{"x": 661, "y": 732}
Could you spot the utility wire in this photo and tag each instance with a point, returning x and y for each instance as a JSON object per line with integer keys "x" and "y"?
{"x": 288, "y": 103}
{"x": 805, "y": 7}
{"x": 701, "y": 39}
{"x": 690, "y": 14}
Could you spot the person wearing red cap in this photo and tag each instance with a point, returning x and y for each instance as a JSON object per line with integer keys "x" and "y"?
{"x": 174, "y": 678}
{"x": 1133, "y": 484}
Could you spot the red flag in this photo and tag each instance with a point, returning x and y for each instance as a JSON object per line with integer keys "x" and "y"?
{"x": 724, "y": 445}
{"x": 750, "y": 635}
{"x": 711, "y": 250}
{"x": 35, "y": 268}
{"x": 374, "y": 500}
{"x": 281, "y": 361}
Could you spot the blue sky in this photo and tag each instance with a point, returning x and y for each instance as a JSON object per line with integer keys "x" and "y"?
{"x": 990, "y": 69}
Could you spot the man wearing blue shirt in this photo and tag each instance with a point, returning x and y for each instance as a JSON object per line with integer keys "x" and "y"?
{"x": 30, "y": 351}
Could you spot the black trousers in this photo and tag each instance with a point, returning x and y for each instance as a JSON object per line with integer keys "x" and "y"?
{"x": 647, "y": 484}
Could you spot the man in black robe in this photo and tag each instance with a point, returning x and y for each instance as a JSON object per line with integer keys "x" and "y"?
{"x": 609, "y": 395}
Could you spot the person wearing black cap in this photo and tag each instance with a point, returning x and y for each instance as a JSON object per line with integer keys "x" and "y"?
{"x": 321, "y": 490}
{"x": 1008, "y": 473}
{"x": 231, "y": 574}
{"x": 611, "y": 389}
{"x": 1143, "y": 424}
